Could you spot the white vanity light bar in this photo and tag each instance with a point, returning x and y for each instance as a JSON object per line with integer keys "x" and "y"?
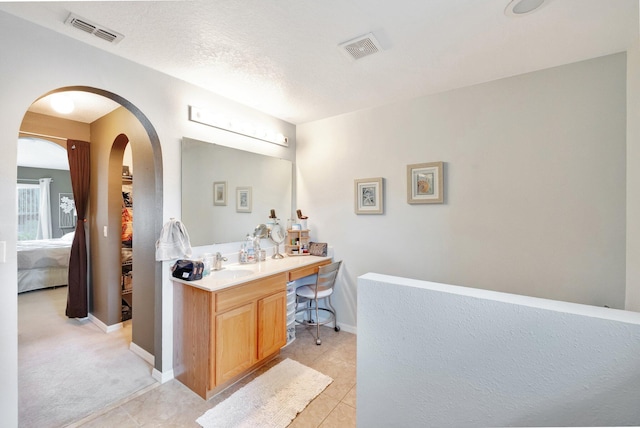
{"x": 220, "y": 121}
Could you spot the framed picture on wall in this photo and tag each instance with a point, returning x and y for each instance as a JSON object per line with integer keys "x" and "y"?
{"x": 369, "y": 196}
{"x": 67, "y": 215}
{"x": 220, "y": 193}
{"x": 425, "y": 183}
{"x": 243, "y": 199}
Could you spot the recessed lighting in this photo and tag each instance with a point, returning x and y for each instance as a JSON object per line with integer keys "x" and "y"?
{"x": 62, "y": 103}
{"x": 523, "y": 7}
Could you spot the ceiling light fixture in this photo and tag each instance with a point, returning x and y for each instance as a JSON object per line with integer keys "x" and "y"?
{"x": 523, "y": 7}
{"x": 220, "y": 121}
{"x": 62, "y": 103}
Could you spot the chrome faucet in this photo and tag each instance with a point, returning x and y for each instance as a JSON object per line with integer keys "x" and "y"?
{"x": 217, "y": 261}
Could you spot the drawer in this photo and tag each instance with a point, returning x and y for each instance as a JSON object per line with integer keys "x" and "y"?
{"x": 291, "y": 289}
{"x": 291, "y": 316}
{"x": 249, "y": 292}
{"x": 291, "y": 307}
{"x": 306, "y": 271}
{"x": 291, "y": 298}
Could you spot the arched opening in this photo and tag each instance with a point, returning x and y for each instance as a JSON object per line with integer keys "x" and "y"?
{"x": 119, "y": 171}
{"x": 108, "y": 136}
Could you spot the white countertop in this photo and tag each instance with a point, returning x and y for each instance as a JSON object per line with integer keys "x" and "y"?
{"x": 219, "y": 280}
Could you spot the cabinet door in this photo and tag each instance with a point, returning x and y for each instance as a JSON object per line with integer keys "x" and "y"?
{"x": 235, "y": 341}
{"x": 272, "y": 324}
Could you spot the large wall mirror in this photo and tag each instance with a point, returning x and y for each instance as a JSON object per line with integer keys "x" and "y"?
{"x": 226, "y": 192}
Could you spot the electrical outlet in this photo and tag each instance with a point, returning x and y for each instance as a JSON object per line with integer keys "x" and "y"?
{"x": 104, "y": 231}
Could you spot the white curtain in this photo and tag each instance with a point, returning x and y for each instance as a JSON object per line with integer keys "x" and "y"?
{"x": 44, "y": 225}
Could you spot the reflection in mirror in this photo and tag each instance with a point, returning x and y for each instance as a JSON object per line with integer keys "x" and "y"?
{"x": 261, "y": 231}
{"x": 215, "y": 215}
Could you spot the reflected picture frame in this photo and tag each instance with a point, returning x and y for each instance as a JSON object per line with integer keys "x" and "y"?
{"x": 369, "y": 195}
{"x": 425, "y": 183}
{"x": 67, "y": 215}
{"x": 220, "y": 193}
{"x": 243, "y": 199}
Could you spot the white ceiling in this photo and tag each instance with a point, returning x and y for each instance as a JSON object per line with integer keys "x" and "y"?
{"x": 282, "y": 56}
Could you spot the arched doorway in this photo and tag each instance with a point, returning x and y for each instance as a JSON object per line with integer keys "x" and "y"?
{"x": 105, "y": 305}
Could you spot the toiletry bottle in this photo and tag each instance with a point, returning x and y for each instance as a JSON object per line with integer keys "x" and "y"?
{"x": 207, "y": 258}
{"x": 251, "y": 250}
{"x": 243, "y": 253}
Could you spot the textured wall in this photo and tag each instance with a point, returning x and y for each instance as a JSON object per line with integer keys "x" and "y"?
{"x": 438, "y": 355}
{"x": 534, "y": 186}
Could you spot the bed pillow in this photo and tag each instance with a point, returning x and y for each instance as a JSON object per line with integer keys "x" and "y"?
{"x": 68, "y": 236}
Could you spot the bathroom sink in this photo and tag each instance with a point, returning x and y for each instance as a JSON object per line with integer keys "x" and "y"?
{"x": 231, "y": 273}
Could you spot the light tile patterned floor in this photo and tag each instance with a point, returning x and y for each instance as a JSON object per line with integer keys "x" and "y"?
{"x": 174, "y": 405}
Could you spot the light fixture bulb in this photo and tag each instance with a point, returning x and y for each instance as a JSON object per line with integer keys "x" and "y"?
{"x": 62, "y": 103}
{"x": 237, "y": 126}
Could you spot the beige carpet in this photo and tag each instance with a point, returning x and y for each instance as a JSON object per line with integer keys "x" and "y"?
{"x": 272, "y": 400}
{"x": 68, "y": 369}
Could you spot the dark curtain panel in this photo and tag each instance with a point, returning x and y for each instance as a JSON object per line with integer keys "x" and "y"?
{"x": 79, "y": 169}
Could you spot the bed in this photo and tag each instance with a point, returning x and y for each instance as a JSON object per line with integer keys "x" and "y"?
{"x": 43, "y": 263}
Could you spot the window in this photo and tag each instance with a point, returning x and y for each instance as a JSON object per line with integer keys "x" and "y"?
{"x": 28, "y": 203}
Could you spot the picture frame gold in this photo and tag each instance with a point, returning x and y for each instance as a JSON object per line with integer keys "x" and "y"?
{"x": 425, "y": 183}
{"x": 369, "y": 195}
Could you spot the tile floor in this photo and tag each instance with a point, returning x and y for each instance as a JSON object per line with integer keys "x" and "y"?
{"x": 174, "y": 405}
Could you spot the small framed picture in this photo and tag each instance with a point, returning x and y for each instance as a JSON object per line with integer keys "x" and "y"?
{"x": 125, "y": 171}
{"x": 220, "y": 193}
{"x": 243, "y": 199}
{"x": 369, "y": 196}
{"x": 67, "y": 215}
{"x": 425, "y": 183}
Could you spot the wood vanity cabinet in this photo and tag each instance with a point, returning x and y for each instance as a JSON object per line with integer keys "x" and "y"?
{"x": 250, "y": 325}
{"x": 221, "y": 336}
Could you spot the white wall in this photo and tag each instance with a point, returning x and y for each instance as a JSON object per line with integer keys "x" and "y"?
{"x": 534, "y": 186}
{"x": 438, "y": 355}
{"x": 632, "y": 300}
{"x": 36, "y": 61}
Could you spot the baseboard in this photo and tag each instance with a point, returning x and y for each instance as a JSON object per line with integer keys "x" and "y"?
{"x": 102, "y": 326}
{"x": 162, "y": 377}
{"x": 149, "y": 358}
{"x": 347, "y": 328}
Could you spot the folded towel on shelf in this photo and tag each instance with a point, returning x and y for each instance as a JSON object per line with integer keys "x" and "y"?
{"x": 173, "y": 242}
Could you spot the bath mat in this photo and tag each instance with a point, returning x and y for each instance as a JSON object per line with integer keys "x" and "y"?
{"x": 272, "y": 400}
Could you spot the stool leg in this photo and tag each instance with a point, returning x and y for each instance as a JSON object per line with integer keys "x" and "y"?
{"x": 318, "y": 341}
{"x": 335, "y": 314}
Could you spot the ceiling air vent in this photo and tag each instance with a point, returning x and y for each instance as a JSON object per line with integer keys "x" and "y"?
{"x": 360, "y": 47}
{"x": 93, "y": 28}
